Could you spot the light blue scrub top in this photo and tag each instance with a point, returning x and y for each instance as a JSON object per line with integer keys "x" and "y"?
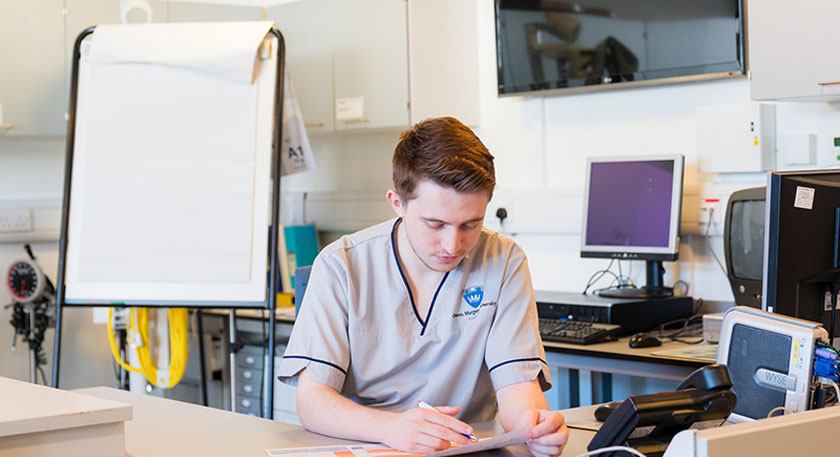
{"x": 359, "y": 332}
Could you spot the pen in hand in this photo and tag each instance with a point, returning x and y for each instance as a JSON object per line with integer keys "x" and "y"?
{"x": 424, "y": 405}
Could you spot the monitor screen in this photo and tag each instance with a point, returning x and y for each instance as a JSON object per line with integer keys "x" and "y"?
{"x": 746, "y": 239}
{"x": 743, "y": 244}
{"x": 632, "y": 207}
{"x": 597, "y": 44}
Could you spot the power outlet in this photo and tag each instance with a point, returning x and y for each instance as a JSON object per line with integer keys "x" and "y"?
{"x": 710, "y": 210}
{"x": 15, "y": 220}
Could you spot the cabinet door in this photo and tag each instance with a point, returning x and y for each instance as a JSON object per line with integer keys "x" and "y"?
{"x": 443, "y": 59}
{"x": 307, "y": 30}
{"x": 793, "y": 49}
{"x": 211, "y": 12}
{"x": 32, "y": 67}
{"x": 370, "y": 46}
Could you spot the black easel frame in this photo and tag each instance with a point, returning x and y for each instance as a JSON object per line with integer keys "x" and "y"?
{"x": 270, "y": 304}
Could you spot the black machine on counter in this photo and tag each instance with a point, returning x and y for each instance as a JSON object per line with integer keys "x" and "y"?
{"x": 632, "y": 314}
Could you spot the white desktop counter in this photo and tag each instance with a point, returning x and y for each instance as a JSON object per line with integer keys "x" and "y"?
{"x": 38, "y": 420}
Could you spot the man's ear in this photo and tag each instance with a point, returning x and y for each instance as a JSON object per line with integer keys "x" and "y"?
{"x": 396, "y": 202}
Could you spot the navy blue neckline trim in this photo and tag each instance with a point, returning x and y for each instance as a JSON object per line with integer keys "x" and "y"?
{"x": 316, "y": 360}
{"x": 531, "y": 359}
{"x": 422, "y": 322}
{"x": 432, "y": 306}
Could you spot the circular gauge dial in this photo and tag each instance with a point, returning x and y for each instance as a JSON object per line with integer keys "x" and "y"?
{"x": 25, "y": 281}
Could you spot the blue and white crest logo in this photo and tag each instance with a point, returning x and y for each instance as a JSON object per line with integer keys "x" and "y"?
{"x": 473, "y": 296}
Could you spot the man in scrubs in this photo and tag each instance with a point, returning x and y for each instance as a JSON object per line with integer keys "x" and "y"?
{"x": 427, "y": 307}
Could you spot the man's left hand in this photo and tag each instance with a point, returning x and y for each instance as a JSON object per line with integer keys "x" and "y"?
{"x": 547, "y": 435}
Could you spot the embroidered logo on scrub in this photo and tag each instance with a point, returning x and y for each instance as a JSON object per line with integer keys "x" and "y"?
{"x": 473, "y": 296}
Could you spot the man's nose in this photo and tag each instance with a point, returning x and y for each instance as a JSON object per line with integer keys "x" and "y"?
{"x": 452, "y": 241}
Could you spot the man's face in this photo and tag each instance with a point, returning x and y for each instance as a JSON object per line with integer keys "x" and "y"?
{"x": 442, "y": 225}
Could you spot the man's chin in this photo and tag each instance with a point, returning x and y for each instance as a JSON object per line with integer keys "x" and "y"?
{"x": 444, "y": 265}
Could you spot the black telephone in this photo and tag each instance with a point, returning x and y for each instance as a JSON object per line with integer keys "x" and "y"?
{"x": 648, "y": 422}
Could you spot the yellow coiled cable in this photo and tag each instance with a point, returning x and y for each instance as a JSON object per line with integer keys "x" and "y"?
{"x": 113, "y": 343}
{"x": 178, "y": 344}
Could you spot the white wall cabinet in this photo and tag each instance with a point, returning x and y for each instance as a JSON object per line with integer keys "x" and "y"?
{"x": 32, "y": 68}
{"x": 307, "y": 29}
{"x": 443, "y": 59}
{"x": 370, "y": 53}
{"x": 339, "y": 49}
{"x": 793, "y": 50}
{"x": 407, "y": 60}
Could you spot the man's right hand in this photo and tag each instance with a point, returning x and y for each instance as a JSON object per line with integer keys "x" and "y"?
{"x": 424, "y": 431}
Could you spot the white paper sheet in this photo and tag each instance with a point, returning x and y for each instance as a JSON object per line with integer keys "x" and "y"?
{"x": 701, "y": 352}
{"x": 221, "y": 49}
{"x": 350, "y": 108}
{"x": 296, "y": 151}
{"x": 378, "y": 450}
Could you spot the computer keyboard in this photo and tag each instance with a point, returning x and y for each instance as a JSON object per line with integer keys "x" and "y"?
{"x": 577, "y": 332}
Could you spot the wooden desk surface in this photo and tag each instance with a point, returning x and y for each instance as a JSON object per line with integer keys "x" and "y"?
{"x": 164, "y": 428}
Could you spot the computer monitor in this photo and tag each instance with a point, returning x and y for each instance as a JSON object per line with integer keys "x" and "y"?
{"x": 631, "y": 211}
{"x": 743, "y": 244}
{"x": 803, "y": 232}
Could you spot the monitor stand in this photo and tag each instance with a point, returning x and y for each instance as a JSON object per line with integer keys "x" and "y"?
{"x": 653, "y": 288}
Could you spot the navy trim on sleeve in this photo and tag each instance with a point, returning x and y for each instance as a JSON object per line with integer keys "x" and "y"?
{"x": 316, "y": 360}
{"x": 532, "y": 359}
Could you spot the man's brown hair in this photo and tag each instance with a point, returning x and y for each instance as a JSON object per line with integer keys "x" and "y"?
{"x": 446, "y": 152}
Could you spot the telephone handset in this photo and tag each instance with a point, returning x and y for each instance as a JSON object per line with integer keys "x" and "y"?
{"x": 648, "y": 422}
{"x": 709, "y": 377}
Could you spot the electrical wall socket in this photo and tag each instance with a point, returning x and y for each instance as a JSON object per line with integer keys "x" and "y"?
{"x": 710, "y": 208}
{"x": 15, "y": 220}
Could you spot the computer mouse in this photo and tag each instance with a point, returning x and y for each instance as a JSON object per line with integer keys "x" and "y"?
{"x": 644, "y": 340}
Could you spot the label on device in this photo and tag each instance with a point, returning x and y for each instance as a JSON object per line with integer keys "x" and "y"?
{"x": 804, "y": 198}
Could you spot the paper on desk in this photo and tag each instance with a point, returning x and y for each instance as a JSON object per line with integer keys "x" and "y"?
{"x": 701, "y": 353}
{"x": 485, "y": 444}
{"x": 378, "y": 450}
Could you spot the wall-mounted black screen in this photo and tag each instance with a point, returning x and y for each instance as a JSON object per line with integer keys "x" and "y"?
{"x": 548, "y": 45}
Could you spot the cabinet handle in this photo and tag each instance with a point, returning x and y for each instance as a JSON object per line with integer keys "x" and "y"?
{"x": 355, "y": 121}
{"x": 829, "y": 83}
{"x": 5, "y": 126}
{"x": 313, "y": 124}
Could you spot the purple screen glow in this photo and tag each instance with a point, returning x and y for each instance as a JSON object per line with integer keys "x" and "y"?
{"x": 630, "y": 203}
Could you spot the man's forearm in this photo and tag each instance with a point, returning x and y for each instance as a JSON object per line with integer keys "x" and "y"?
{"x": 323, "y": 410}
{"x": 516, "y": 399}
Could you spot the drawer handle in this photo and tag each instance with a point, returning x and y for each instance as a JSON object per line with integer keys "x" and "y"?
{"x": 313, "y": 124}
{"x": 5, "y": 126}
{"x": 250, "y": 360}
{"x": 247, "y": 374}
{"x": 829, "y": 83}
{"x": 356, "y": 121}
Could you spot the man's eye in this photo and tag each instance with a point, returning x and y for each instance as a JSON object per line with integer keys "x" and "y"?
{"x": 435, "y": 225}
{"x": 469, "y": 226}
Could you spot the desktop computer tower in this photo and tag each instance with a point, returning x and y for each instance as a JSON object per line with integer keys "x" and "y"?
{"x": 633, "y": 314}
